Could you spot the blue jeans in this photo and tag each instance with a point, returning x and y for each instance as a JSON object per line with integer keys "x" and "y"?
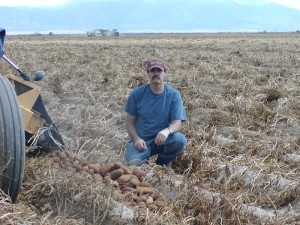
{"x": 166, "y": 152}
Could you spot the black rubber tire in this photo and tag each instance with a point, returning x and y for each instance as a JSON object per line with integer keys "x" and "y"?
{"x": 12, "y": 141}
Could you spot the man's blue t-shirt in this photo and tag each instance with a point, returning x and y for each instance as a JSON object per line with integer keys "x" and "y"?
{"x": 154, "y": 112}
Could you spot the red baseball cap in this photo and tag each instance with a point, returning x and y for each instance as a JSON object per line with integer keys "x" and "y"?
{"x": 156, "y": 63}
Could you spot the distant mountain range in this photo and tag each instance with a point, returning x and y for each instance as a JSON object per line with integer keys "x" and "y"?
{"x": 153, "y": 16}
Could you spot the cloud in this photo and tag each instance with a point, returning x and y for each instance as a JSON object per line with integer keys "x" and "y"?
{"x": 247, "y": 2}
{"x": 51, "y": 3}
{"x": 295, "y": 4}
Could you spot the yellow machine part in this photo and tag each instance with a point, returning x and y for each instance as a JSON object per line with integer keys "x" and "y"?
{"x": 27, "y": 95}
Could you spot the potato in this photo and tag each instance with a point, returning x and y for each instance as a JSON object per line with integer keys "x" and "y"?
{"x": 107, "y": 179}
{"x": 76, "y": 162}
{"x": 86, "y": 168}
{"x": 105, "y": 168}
{"x": 134, "y": 182}
{"x": 124, "y": 178}
{"x": 97, "y": 178}
{"x": 70, "y": 155}
{"x": 126, "y": 170}
{"x": 143, "y": 198}
{"x": 94, "y": 167}
{"x": 56, "y": 158}
{"x": 142, "y": 204}
{"x": 139, "y": 173}
{"x": 78, "y": 168}
{"x": 135, "y": 198}
{"x": 127, "y": 193}
{"x": 117, "y": 165}
{"x": 144, "y": 184}
{"x": 97, "y": 165}
{"x": 62, "y": 155}
{"x": 127, "y": 188}
{"x": 55, "y": 165}
{"x": 117, "y": 193}
{"x": 153, "y": 207}
{"x": 81, "y": 158}
{"x": 114, "y": 183}
{"x": 114, "y": 175}
{"x": 144, "y": 190}
{"x": 158, "y": 196}
{"x": 70, "y": 169}
{"x": 159, "y": 203}
{"x": 170, "y": 206}
{"x": 91, "y": 171}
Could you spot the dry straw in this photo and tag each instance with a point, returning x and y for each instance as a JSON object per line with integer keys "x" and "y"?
{"x": 241, "y": 93}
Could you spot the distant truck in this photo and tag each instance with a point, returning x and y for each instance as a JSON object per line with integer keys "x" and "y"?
{"x": 104, "y": 33}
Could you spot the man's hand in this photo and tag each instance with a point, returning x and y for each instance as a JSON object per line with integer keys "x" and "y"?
{"x": 140, "y": 144}
{"x": 162, "y": 136}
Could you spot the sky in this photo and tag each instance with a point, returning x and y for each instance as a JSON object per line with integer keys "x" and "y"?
{"x": 52, "y": 3}
{"x": 34, "y": 3}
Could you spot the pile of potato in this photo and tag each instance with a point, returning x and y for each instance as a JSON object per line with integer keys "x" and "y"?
{"x": 129, "y": 185}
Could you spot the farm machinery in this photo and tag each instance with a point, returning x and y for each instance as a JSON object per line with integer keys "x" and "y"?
{"x": 25, "y": 126}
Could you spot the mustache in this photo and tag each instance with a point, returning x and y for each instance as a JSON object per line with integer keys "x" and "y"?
{"x": 154, "y": 77}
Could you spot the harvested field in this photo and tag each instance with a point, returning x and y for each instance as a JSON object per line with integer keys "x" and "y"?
{"x": 241, "y": 163}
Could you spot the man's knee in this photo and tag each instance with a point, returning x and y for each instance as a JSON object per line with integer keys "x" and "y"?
{"x": 179, "y": 140}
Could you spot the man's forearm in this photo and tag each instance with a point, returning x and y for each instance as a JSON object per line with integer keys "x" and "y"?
{"x": 176, "y": 126}
{"x": 132, "y": 131}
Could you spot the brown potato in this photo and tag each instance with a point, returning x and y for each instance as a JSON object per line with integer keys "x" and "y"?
{"x": 91, "y": 171}
{"x": 94, "y": 167}
{"x": 56, "y": 158}
{"x": 115, "y": 183}
{"x": 117, "y": 165}
{"x": 70, "y": 169}
{"x": 86, "y": 168}
{"x": 68, "y": 163}
{"x": 127, "y": 188}
{"x": 81, "y": 158}
{"x": 139, "y": 173}
{"x": 114, "y": 175}
{"x": 55, "y": 165}
{"x": 76, "y": 162}
{"x": 153, "y": 207}
{"x": 158, "y": 196}
{"x": 70, "y": 155}
{"x": 135, "y": 198}
{"x": 97, "y": 178}
{"x": 124, "y": 178}
{"x": 97, "y": 165}
{"x": 117, "y": 193}
{"x": 127, "y": 170}
{"x": 143, "y": 198}
{"x": 127, "y": 193}
{"x": 159, "y": 203}
{"x": 105, "y": 168}
{"x": 142, "y": 204}
{"x": 144, "y": 184}
{"x": 63, "y": 155}
{"x": 144, "y": 190}
{"x": 134, "y": 182}
{"x": 107, "y": 179}
{"x": 78, "y": 168}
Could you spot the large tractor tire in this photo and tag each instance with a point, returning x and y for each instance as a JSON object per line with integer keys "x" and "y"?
{"x": 12, "y": 141}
